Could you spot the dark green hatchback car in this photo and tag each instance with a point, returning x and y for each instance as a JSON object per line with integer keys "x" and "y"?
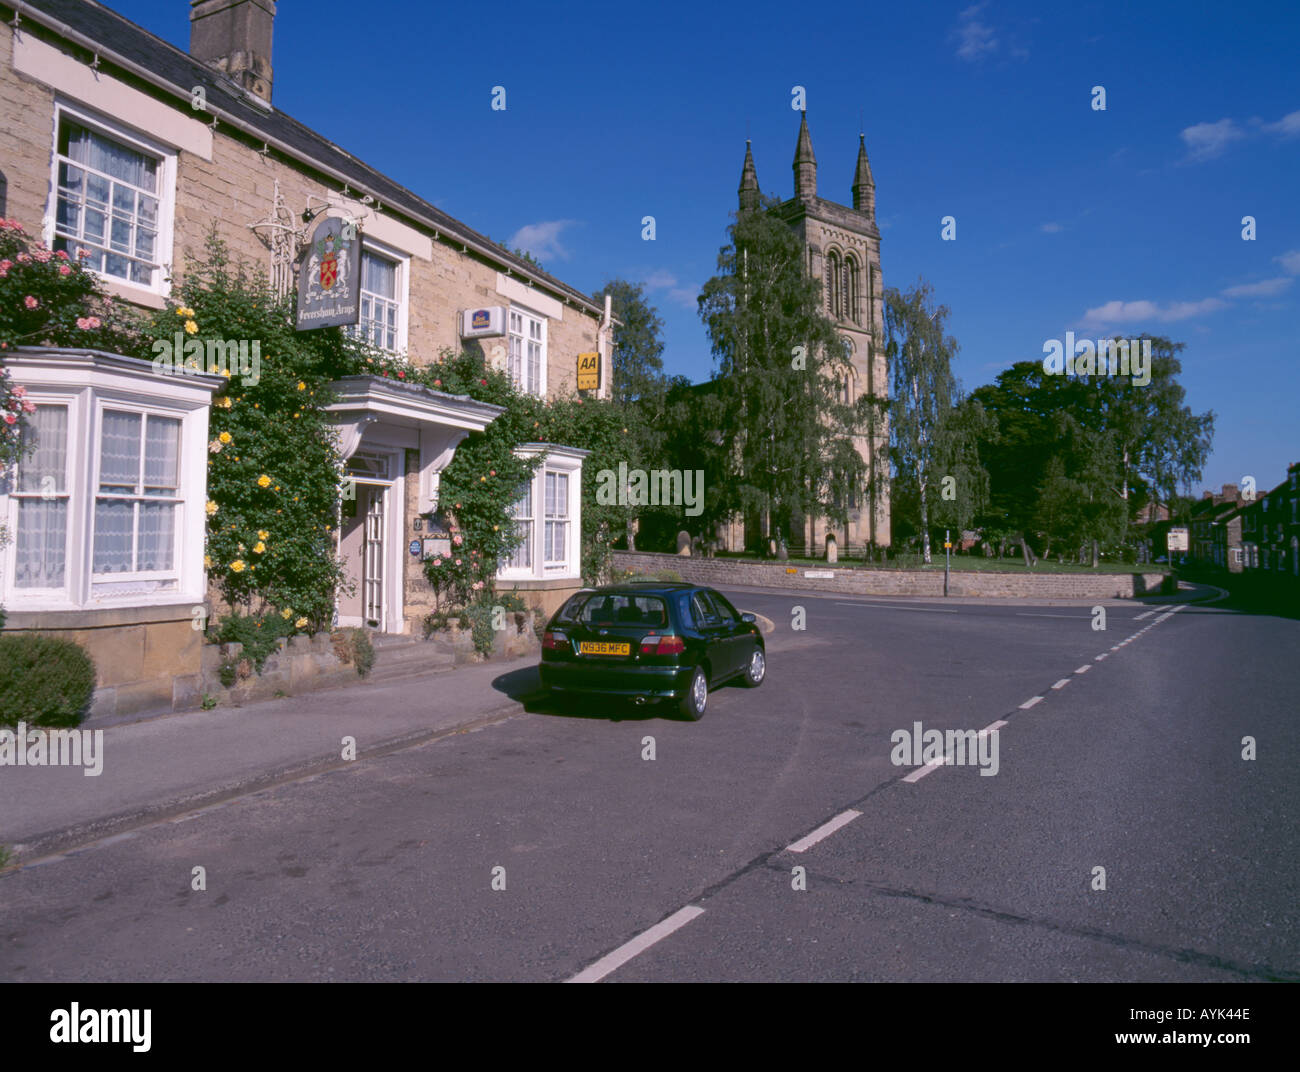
{"x": 651, "y": 641}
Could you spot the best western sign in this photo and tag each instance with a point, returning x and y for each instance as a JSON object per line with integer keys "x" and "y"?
{"x": 329, "y": 278}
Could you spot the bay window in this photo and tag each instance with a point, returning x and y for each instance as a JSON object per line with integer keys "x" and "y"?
{"x": 107, "y": 507}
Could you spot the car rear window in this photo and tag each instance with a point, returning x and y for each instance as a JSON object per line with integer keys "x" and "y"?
{"x": 624, "y": 610}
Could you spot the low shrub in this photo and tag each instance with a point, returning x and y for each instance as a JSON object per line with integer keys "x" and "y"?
{"x": 44, "y": 681}
{"x": 354, "y": 646}
{"x": 258, "y": 633}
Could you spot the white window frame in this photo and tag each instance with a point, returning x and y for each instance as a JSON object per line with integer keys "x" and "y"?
{"x": 402, "y": 261}
{"x": 527, "y": 317}
{"x": 108, "y": 128}
{"x": 169, "y": 577}
{"x": 35, "y": 592}
{"x": 555, "y": 461}
{"x": 527, "y": 522}
{"x": 561, "y": 518}
{"x": 82, "y": 589}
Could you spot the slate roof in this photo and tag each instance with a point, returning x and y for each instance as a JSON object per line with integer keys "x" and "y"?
{"x": 123, "y": 37}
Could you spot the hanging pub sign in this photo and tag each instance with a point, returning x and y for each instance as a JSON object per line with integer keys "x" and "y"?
{"x": 329, "y": 279}
{"x": 588, "y": 372}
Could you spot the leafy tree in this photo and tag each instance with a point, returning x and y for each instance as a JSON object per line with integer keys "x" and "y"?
{"x": 273, "y": 467}
{"x": 638, "y": 347}
{"x": 778, "y": 358}
{"x": 927, "y": 437}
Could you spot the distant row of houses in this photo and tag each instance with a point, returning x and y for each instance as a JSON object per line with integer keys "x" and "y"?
{"x": 1249, "y": 535}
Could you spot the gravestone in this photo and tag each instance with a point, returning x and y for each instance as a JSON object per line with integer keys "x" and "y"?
{"x": 832, "y": 551}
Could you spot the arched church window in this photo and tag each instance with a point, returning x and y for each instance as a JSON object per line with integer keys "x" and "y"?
{"x": 833, "y": 269}
{"x": 852, "y": 309}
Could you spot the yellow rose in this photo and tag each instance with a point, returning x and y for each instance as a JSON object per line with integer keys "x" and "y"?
{"x": 225, "y": 437}
{"x": 237, "y": 565}
{"x": 301, "y": 386}
{"x": 263, "y": 481}
{"x": 259, "y": 547}
{"x": 191, "y": 328}
{"x": 285, "y": 614}
{"x": 207, "y": 561}
{"x": 211, "y": 508}
{"x": 301, "y": 623}
{"x": 262, "y": 534}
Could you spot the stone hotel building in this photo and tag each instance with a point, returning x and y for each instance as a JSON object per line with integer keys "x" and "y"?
{"x": 104, "y": 150}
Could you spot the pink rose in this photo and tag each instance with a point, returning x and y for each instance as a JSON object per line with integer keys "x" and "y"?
{"x": 83, "y": 323}
{"x": 20, "y": 391}
{"x": 61, "y": 255}
{"x": 23, "y": 258}
{"x": 6, "y": 264}
{"x": 43, "y": 255}
{"x": 29, "y": 406}
{"x": 458, "y": 561}
{"x": 64, "y": 270}
{"x": 457, "y": 540}
{"x": 4, "y": 273}
{"x": 93, "y": 321}
{"x": 10, "y": 419}
{"x": 30, "y": 302}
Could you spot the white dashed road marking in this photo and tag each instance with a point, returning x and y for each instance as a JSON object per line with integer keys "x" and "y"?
{"x": 1083, "y": 669}
{"x": 615, "y": 960}
{"x": 1062, "y": 683}
{"x": 824, "y": 831}
{"x": 1030, "y": 703}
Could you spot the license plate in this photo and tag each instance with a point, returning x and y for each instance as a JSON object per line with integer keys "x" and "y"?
{"x": 594, "y": 647}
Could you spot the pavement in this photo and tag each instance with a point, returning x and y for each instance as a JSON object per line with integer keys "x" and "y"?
{"x": 176, "y": 763}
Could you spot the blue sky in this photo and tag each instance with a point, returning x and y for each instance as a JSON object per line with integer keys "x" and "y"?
{"x": 1117, "y": 221}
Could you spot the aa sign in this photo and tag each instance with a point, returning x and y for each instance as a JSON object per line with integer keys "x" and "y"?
{"x": 588, "y": 372}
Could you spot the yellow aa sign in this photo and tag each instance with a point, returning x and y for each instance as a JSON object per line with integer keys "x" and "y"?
{"x": 588, "y": 372}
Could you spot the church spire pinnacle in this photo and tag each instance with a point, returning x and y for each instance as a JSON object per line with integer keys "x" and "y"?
{"x": 864, "y": 186}
{"x": 805, "y": 164}
{"x": 748, "y": 182}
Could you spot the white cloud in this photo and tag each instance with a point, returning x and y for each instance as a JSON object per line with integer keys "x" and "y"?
{"x": 974, "y": 38}
{"x": 1205, "y": 141}
{"x": 1290, "y": 261}
{"x": 1208, "y": 140}
{"x": 659, "y": 280}
{"x": 1288, "y": 126}
{"x": 542, "y": 240}
{"x": 685, "y": 296}
{"x": 1122, "y": 312}
{"x": 1051, "y": 228}
{"x": 1264, "y": 289}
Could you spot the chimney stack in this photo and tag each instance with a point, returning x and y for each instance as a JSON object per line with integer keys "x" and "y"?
{"x": 234, "y": 37}
{"x": 1230, "y": 491}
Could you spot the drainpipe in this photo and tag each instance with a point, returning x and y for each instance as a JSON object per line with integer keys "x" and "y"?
{"x": 604, "y": 342}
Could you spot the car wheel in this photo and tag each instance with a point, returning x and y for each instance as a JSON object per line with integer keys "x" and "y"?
{"x": 757, "y": 669}
{"x": 696, "y": 699}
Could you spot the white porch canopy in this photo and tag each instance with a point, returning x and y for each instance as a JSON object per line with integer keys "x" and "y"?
{"x": 389, "y": 430}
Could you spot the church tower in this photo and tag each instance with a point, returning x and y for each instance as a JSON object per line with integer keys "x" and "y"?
{"x": 842, "y": 247}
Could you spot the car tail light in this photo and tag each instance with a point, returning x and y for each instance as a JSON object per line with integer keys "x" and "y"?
{"x": 663, "y": 645}
{"x": 552, "y": 641}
